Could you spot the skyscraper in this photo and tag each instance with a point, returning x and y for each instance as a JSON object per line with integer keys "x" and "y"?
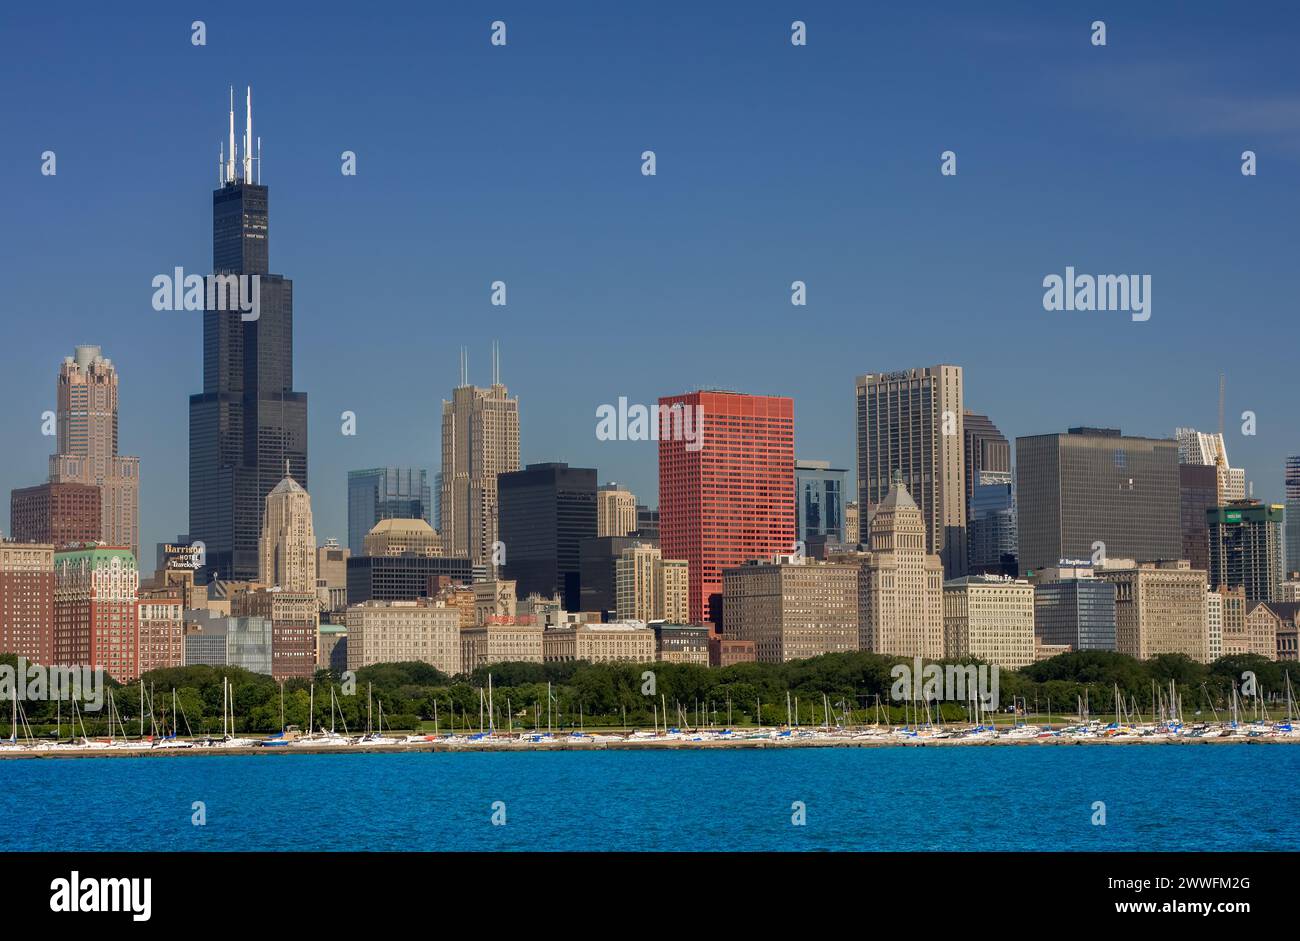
{"x": 288, "y": 541}
{"x": 1198, "y": 491}
{"x": 986, "y": 454}
{"x": 480, "y": 440}
{"x": 1095, "y": 486}
{"x": 1245, "y": 544}
{"x": 913, "y": 422}
{"x": 819, "y": 505}
{"x": 248, "y": 420}
{"x": 1292, "y": 484}
{"x": 900, "y": 593}
{"x": 386, "y": 493}
{"x": 615, "y": 510}
{"x": 87, "y": 445}
{"x": 546, "y": 510}
{"x": 726, "y": 489}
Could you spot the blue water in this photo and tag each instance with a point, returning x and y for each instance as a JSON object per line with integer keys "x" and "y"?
{"x": 1215, "y": 797}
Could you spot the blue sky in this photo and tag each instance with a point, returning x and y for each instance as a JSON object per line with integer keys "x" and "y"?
{"x": 775, "y": 163}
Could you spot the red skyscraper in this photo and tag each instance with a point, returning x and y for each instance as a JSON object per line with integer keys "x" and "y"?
{"x": 726, "y": 486}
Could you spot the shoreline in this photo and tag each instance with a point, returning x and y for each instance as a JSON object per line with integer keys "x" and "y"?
{"x": 524, "y": 746}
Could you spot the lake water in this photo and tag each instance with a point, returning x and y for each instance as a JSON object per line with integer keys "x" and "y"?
{"x": 1211, "y": 797}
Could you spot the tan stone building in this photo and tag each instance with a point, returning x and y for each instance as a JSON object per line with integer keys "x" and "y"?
{"x": 852, "y": 524}
{"x": 287, "y": 547}
{"x": 630, "y": 641}
{"x": 485, "y": 644}
{"x": 615, "y": 511}
{"x": 648, "y": 587}
{"x": 1159, "y": 608}
{"x": 332, "y": 575}
{"x": 990, "y": 618}
{"x": 495, "y": 598}
{"x": 404, "y": 631}
{"x": 402, "y": 537}
{"x": 480, "y": 440}
{"x": 1264, "y": 621}
{"x": 900, "y": 586}
{"x": 792, "y": 608}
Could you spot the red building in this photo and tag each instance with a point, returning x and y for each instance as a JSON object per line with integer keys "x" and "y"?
{"x": 27, "y": 601}
{"x": 61, "y": 514}
{"x": 96, "y": 610}
{"x": 726, "y": 486}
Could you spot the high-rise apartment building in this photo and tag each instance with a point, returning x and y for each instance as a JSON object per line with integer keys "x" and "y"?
{"x": 383, "y": 493}
{"x": 615, "y": 510}
{"x": 900, "y": 588}
{"x": 87, "y": 444}
{"x": 288, "y": 542}
{"x": 726, "y": 486}
{"x": 650, "y": 587}
{"x": 27, "y": 600}
{"x": 1159, "y": 608}
{"x": 792, "y": 608}
{"x": 1291, "y": 483}
{"x": 1245, "y": 546}
{"x": 1093, "y": 490}
{"x": 819, "y": 505}
{"x": 480, "y": 441}
{"x": 546, "y": 510}
{"x": 598, "y": 559}
{"x": 96, "y": 610}
{"x": 912, "y": 422}
{"x": 61, "y": 514}
{"x": 989, "y": 618}
{"x": 248, "y": 420}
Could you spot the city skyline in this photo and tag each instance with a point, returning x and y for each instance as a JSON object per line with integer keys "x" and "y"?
{"x": 1148, "y": 379}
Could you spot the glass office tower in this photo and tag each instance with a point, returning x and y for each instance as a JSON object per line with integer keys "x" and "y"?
{"x": 386, "y": 493}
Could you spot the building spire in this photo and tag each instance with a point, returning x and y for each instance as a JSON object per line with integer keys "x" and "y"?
{"x": 248, "y": 136}
{"x": 230, "y": 157}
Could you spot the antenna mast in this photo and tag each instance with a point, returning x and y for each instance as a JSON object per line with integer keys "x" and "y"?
{"x": 248, "y": 136}
{"x": 230, "y": 159}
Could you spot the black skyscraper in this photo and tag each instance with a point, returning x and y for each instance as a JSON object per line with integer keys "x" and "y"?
{"x": 544, "y": 512}
{"x": 248, "y": 420}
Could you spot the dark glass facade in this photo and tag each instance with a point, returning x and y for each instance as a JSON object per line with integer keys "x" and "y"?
{"x": 991, "y": 530}
{"x": 386, "y": 493}
{"x": 1245, "y": 548}
{"x": 401, "y": 577}
{"x": 1198, "y": 492}
{"x": 1078, "y": 611}
{"x": 819, "y": 505}
{"x": 1093, "y": 485}
{"x": 544, "y": 513}
{"x": 248, "y": 420}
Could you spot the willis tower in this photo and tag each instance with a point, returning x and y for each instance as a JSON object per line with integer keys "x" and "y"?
{"x": 248, "y": 421}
